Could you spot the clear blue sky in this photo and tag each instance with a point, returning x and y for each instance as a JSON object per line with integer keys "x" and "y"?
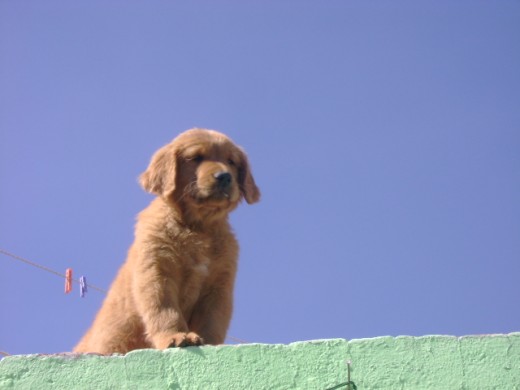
{"x": 385, "y": 137}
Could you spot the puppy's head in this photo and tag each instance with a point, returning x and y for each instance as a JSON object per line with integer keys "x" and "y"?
{"x": 202, "y": 170}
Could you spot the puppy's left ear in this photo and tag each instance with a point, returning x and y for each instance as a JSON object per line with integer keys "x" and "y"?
{"x": 248, "y": 188}
{"x": 159, "y": 177}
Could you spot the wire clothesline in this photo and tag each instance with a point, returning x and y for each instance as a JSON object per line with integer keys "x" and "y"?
{"x": 49, "y": 270}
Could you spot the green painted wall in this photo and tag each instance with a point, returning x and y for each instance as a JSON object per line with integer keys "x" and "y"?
{"x": 431, "y": 362}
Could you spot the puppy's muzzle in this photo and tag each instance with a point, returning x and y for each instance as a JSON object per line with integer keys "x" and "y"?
{"x": 224, "y": 180}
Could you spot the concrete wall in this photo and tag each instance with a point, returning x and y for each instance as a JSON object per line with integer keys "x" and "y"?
{"x": 431, "y": 362}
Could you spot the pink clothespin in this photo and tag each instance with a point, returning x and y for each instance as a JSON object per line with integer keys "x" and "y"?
{"x": 82, "y": 286}
{"x": 68, "y": 280}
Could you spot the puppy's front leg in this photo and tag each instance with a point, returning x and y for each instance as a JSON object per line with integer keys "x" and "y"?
{"x": 166, "y": 328}
{"x": 212, "y": 315}
{"x": 157, "y": 299}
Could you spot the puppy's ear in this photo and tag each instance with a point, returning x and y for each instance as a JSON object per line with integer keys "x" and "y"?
{"x": 248, "y": 188}
{"x": 159, "y": 177}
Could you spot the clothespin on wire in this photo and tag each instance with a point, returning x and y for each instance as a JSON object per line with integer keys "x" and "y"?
{"x": 82, "y": 286}
{"x": 68, "y": 280}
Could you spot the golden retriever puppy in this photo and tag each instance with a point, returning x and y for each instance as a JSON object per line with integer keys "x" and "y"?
{"x": 176, "y": 287}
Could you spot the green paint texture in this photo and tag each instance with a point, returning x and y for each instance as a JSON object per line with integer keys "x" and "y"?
{"x": 429, "y": 362}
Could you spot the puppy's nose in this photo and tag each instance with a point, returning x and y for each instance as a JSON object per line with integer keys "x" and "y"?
{"x": 223, "y": 179}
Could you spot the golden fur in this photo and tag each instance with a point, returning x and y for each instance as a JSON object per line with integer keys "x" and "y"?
{"x": 176, "y": 287}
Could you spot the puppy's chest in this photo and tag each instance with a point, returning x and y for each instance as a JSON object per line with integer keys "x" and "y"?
{"x": 198, "y": 265}
{"x": 201, "y": 261}
{"x": 201, "y": 267}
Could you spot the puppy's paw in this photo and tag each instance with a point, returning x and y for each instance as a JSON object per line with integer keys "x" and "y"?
{"x": 182, "y": 339}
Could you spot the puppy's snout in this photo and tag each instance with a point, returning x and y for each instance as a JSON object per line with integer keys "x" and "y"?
{"x": 223, "y": 179}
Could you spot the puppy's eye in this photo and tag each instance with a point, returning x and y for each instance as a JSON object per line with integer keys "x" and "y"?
{"x": 231, "y": 162}
{"x": 198, "y": 158}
